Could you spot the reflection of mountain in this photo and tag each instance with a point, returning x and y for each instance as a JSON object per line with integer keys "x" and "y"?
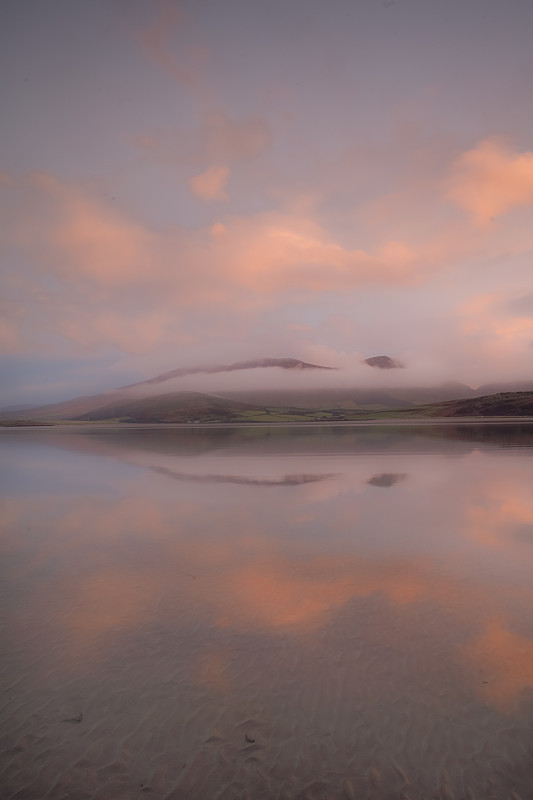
{"x": 286, "y": 480}
{"x": 456, "y": 438}
{"x": 387, "y": 479}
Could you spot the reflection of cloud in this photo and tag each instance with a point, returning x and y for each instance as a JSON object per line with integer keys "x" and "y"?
{"x": 212, "y": 669}
{"x": 387, "y": 479}
{"x": 109, "y": 601}
{"x": 506, "y": 659}
{"x": 193, "y": 560}
{"x": 246, "y": 580}
{"x": 496, "y": 518}
{"x": 285, "y": 594}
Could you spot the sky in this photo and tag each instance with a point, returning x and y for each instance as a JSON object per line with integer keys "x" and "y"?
{"x": 205, "y": 181}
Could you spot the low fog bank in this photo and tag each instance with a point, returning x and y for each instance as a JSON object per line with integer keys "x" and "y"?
{"x": 348, "y": 372}
{"x": 277, "y": 379}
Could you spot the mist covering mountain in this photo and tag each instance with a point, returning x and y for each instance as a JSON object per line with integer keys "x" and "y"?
{"x": 292, "y": 386}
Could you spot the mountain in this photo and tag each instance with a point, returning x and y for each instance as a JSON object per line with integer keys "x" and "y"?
{"x": 163, "y": 399}
{"x": 353, "y": 398}
{"x": 194, "y": 407}
{"x": 70, "y": 409}
{"x": 421, "y": 395}
{"x": 383, "y": 362}
{"x": 498, "y": 388}
{"x": 17, "y": 408}
{"x": 262, "y": 363}
{"x": 78, "y": 407}
{"x": 502, "y": 404}
{"x": 345, "y": 399}
{"x": 198, "y": 407}
{"x": 171, "y": 407}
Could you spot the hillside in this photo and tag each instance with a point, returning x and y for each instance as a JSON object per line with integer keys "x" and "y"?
{"x": 362, "y": 399}
{"x": 171, "y": 407}
{"x": 79, "y": 407}
{"x": 196, "y": 407}
{"x": 69, "y": 409}
{"x": 192, "y": 400}
{"x": 502, "y": 404}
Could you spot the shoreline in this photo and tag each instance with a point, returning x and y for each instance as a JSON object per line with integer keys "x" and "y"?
{"x": 389, "y": 422}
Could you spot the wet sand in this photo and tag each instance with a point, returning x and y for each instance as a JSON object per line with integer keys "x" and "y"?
{"x": 208, "y": 716}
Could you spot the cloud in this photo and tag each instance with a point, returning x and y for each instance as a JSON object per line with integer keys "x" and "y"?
{"x": 145, "y": 142}
{"x": 502, "y": 335}
{"x": 276, "y": 252}
{"x": 521, "y": 306}
{"x": 89, "y": 273}
{"x": 233, "y": 140}
{"x": 219, "y": 140}
{"x": 490, "y": 180}
{"x": 84, "y": 275}
{"x": 210, "y": 185}
{"x": 155, "y": 41}
{"x": 75, "y": 234}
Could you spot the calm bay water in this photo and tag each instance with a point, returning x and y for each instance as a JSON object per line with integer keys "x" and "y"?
{"x": 267, "y": 612}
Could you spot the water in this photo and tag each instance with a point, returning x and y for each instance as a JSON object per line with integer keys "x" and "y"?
{"x": 267, "y": 612}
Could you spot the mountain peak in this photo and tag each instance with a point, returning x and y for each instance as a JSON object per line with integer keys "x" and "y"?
{"x": 258, "y": 363}
{"x": 383, "y": 362}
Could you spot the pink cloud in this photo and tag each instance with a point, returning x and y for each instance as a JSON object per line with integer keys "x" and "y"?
{"x": 93, "y": 276}
{"x": 275, "y": 252}
{"x": 70, "y": 233}
{"x": 210, "y": 186}
{"x": 490, "y": 180}
{"x": 75, "y": 234}
{"x": 486, "y": 317}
